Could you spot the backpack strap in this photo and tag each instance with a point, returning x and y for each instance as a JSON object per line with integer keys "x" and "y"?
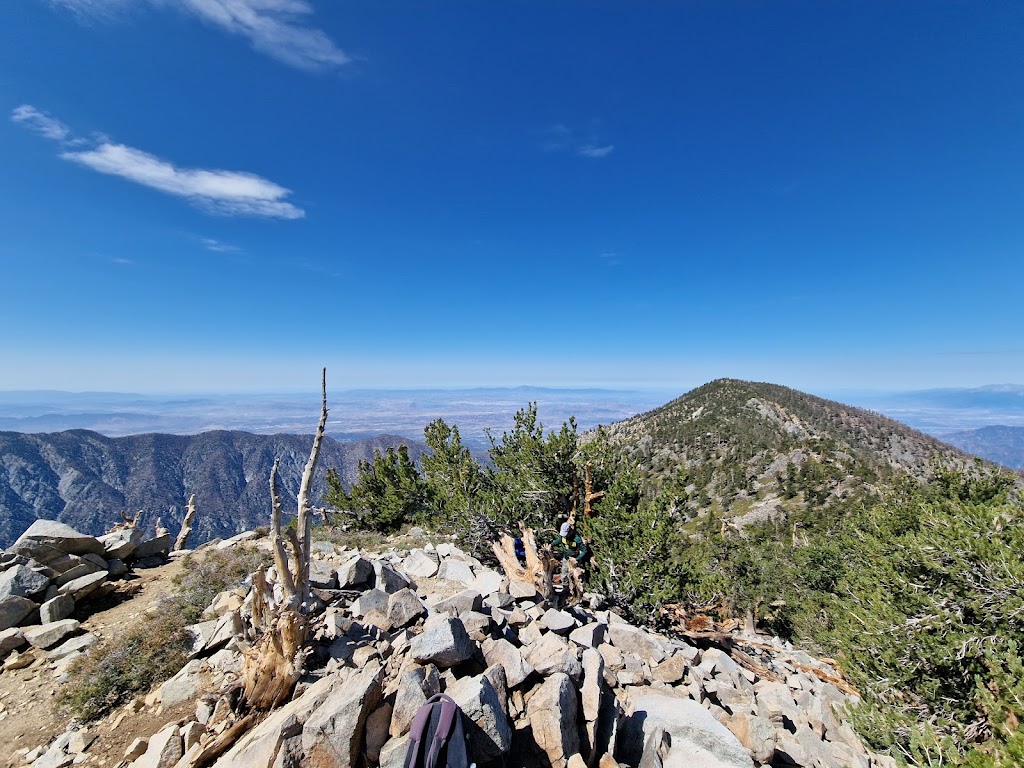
{"x": 449, "y": 711}
{"x": 420, "y": 723}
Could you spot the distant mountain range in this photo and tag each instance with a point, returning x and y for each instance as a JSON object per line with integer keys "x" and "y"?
{"x": 1001, "y": 444}
{"x": 355, "y": 414}
{"x": 87, "y": 480}
{"x": 942, "y": 411}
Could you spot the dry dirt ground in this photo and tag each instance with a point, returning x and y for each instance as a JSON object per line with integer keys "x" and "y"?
{"x": 27, "y": 696}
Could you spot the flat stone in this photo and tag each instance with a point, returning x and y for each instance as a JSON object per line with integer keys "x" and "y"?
{"x": 371, "y": 600}
{"x": 670, "y": 671}
{"x": 83, "y": 586}
{"x": 159, "y": 545}
{"x": 589, "y": 635}
{"x": 321, "y": 575}
{"x": 377, "y": 725}
{"x": 487, "y": 582}
{"x": 60, "y": 607}
{"x": 456, "y": 570}
{"x": 185, "y": 685}
{"x": 74, "y": 645}
{"x": 755, "y": 733}
{"x": 51, "y": 534}
{"x": 694, "y": 732}
{"x": 559, "y": 622}
{"x": 121, "y": 544}
{"x": 518, "y": 589}
{"x": 387, "y": 579}
{"x": 462, "y": 602}
{"x": 14, "y": 610}
{"x": 630, "y": 639}
{"x": 49, "y": 635}
{"x": 415, "y": 686}
{"x": 164, "y": 749}
{"x": 552, "y": 655}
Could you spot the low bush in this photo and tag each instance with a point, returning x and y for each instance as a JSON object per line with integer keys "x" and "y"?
{"x": 156, "y": 647}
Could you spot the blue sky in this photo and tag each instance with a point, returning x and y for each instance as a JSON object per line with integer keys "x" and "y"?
{"x": 228, "y": 194}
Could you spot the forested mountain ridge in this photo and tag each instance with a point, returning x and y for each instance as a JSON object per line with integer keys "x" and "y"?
{"x": 86, "y": 480}
{"x": 1001, "y": 444}
{"x": 751, "y": 451}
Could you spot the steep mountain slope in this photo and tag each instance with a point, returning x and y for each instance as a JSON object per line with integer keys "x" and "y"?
{"x": 752, "y": 450}
{"x": 86, "y": 480}
{"x": 1003, "y": 445}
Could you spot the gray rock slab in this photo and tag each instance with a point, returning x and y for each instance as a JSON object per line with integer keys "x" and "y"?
{"x": 22, "y": 581}
{"x": 502, "y": 652}
{"x": 10, "y": 639}
{"x": 415, "y": 686}
{"x": 354, "y": 572}
{"x": 559, "y": 622}
{"x": 404, "y": 607}
{"x": 83, "y": 586}
{"x": 630, "y": 639}
{"x": 444, "y": 643}
{"x": 462, "y": 602}
{"x": 387, "y": 579}
{"x": 456, "y": 570}
{"x": 121, "y": 544}
{"x": 321, "y": 575}
{"x": 185, "y": 685}
{"x": 49, "y": 635}
{"x": 420, "y": 565}
{"x": 84, "y": 568}
{"x": 60, "y": 607}
{"x": 74, "y": 645}
{"x": 552, "y": 655}
{"x": 589, "y": 635}
{"x": 49, "y": 533}
{"x": 333, "y": 735}
{"x": 552, "y": 714}
{"x": 371, "y": 600}
{"x": 490, "y": 735}
{"x": 260, "y": 747}
{"x": 14, "y": 610}
{"x": 160, "y": 545}
{"x": 487, "y": 582}
{"x": 698, "y": 739}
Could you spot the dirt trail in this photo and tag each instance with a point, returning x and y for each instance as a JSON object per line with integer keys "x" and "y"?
{"x": 27, "y": 696}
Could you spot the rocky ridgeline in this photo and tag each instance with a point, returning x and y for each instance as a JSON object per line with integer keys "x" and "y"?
{"x": 48, "y": 573}
{"x": 572, "y": 688}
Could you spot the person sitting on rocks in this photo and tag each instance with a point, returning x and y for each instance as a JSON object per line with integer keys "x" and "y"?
{"x": 569, "y": 546}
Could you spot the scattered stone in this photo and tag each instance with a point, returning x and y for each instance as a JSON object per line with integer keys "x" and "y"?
{"x": 455, "y": 570}
{"x": 415, "y": 686}
{"x": 185, "y": 685}
{"x": 354, "y": 572}
{"x": 589, "y": 635}
{"x": 137, "y": 748}
{"x": 462, "y": 602}
{"x": 560, "y": 622}
{"x": 72, "y": 646}
{"x": 10, "y": 639}
{"x": 321, "y": 575}
{"x": 670, "y": 671}
{"x": 387, "y": 578}
{"x": 377, "y": 725}
{"x": 404, "y": 607}
{"x": 502, "y": 652}
{"x": 518, "y": 590}
{"x": 122, "y": 544}
{"x": 156, "y": 547}
{"x": 552, "y": 655}
{"x": 487, "y": 582}
{"x": 333, "y": 735}
{"x": 630, "y": 639}
{"x": 83, "y": 586}
{"x": 163, "y": 750}
{"x": 420, "y": 565}
{"x": 371, "y": 600}
{"x": 755, "y": 733}
{"x": 444, "y": 643}
{"x": 44, "y": 536}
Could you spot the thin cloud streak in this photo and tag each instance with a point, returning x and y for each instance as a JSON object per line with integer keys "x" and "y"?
{"x": 591, "y": 150}
{"x": 227, "y": 193}
{"x": 40, "y": 123}
{"x": 273, "y": 27}
{"x": 561, "y": 138}
{"x": 218, "y": 247}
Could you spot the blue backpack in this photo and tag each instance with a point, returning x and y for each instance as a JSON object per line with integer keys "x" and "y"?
{"x": 437, "y": 738}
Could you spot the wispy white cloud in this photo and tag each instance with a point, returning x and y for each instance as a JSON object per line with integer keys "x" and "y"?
{"x": 230, "y": 193}
{"x": 122, "y": 261}
{"x": 218, "y": 247}
{"x": 40, "y": 122}
{"x": 277, "y": 28}
{"x": 593, "y": 150}
{"x": 611, "y": 258}
{"x": 562, "y": 138}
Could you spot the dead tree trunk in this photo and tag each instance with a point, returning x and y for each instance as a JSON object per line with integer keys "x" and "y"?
{"x": 186, "y": 525}
{"x": 540, "y": 565}
{"x": 274, "y": 662}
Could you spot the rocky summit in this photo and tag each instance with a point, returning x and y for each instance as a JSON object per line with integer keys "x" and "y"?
{"x": 570, "y": 687}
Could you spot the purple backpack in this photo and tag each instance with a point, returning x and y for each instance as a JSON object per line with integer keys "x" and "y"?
{"x": 437, "y": 739}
